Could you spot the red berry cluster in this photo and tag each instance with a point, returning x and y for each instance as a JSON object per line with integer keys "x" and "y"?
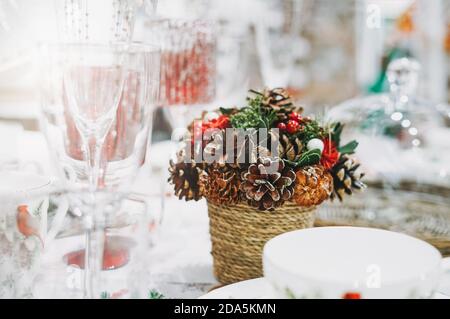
{"x": 293, "y": 125}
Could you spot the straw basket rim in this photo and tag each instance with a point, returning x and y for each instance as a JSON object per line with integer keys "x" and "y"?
{"x": 239, "y": 233}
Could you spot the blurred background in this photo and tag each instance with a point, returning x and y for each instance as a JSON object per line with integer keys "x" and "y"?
{"x": 329, "y": 54}
{"x": 381, "y": 67}
{"x": 331, "y": 50}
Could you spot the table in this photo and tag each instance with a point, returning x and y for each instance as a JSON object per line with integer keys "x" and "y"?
{"x": 180, "y": 264}
{"x": 183, "y": 263}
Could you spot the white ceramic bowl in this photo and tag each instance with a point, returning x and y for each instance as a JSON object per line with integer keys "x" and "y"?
{"x": 12, "y": 183}
{"x": 351, "y": 262}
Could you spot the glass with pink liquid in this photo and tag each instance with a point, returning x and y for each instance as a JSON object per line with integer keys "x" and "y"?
{"x": 122, "y": 125}
{"x": 188, "y": 66}
{"x": 97, "y": 102}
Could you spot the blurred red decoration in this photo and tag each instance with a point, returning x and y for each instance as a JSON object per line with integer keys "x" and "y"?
{"x": 351, "y": 295}
{"x": 188, "y": 76}
{"x": 330, "y": 154}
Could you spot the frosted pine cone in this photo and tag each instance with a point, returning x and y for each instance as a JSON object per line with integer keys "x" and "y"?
{"x": 264, "y": 189}
{"x": 222, "y": 185}
{"x": 313, "y": 185}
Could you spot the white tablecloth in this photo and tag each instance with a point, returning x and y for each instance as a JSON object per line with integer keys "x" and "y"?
{"x": 180, "y": 262}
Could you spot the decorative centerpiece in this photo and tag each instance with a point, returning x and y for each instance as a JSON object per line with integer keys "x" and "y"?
{"x": 263, "y": 170}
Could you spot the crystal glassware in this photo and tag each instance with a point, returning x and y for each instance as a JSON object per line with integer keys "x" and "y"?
{"x": 401, "y": 135}
{"x": 126, "y": 218}
{"x": 108, "y": 115}
{"x": 277, "y": 34}
{"x": 106, "y": 21}
{"x": 96, "y": 114}
{"x": 188, "y": 66}
{"x": 399, "y": 115}
{"x": 233, "y": 63}
{"x": 93, "y": 81}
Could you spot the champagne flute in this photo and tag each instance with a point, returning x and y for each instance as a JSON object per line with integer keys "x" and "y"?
{"x": 93, "y": 79}
{"x": 97, "y": 105}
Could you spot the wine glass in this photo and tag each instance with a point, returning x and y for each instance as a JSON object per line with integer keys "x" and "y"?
{"x": 188, "y": 66}
{"x": 233, "y": 63}
{"x": 95, "y": 21}
{"x": 276, "y": 38}
{"x": 96, "y": 114}
{"x": 93, "y": 81}
{"x": 117, "y": 130}
{"x": 54, "y": 269}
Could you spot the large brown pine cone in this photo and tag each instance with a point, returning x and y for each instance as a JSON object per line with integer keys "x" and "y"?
{"x": 242, "y": 153}
{"x": 264, "y": 189}
{"x": 186, "y": 180}
{"x": 222, "y": 185}
{"x": 313, "y": 185}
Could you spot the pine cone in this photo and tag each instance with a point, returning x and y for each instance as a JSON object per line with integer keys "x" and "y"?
{"x": 346, "y": 178}
{"x": 186, "y": 180}
{"x": 289, "y": 148}
{"x": 222, "y": 185}
{"x": 313, "y": 185}
{"x": 278, "y": 100}
{"x": 244, "y": 152}
{"x": 264, "y": 189}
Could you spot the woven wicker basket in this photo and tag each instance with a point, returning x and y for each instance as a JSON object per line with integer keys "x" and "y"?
{"x": 238, "y": 235}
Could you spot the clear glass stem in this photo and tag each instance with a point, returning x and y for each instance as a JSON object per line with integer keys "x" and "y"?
{"x": 93, "y": 260}
{"x": 93, "y": 254}
{"x": 93, "y": 148}
{"x": 88, "y": 284}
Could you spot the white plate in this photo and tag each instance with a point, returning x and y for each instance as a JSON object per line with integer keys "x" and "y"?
{"x": 249, "y": 289}
{"x": 257, "y": 288}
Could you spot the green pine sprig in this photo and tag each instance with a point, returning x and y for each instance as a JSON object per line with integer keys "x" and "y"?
{"x": 104, "y": 295}
{"x": 154, "y": 294}
{"x": 311, "y": 130}
{"x": 253, "y": 116}
{"x": 311, "y": 157}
